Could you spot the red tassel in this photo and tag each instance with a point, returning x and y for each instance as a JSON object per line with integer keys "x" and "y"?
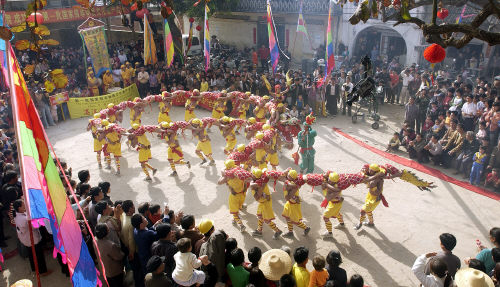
{"x": 295, "y": 157}
{"x": 196, "y": 4}
{"x": 324, "y": 203}
{"x": 384, "y": 201}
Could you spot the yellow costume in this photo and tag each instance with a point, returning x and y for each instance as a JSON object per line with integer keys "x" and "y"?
{"x": 126, "y": 76}
{"x": 144, "y": 148}
{"x": 265, "y": 207}
{"x": 273, "y": 158}
{"x": 218, "y": 110}
{"x": 93, "y": 84}
{"x": 189, "y": 113}
{"x": 333, "y": 208}
{"x": 242, "y": 111}
{"x": 98, "y": 144}
{"x": 137, "y": 120}
{"x": 112, "y": 118}
{"x": 236, "y": 201}
{"x": 175, "y": 152}
{"x": 113, "y": 144}
{"x": 204, "y": 146}
{"x": 260, "y": 114}
{"x": 260, "y": 156}
{"x": 292, "y": 210}
{"x": 107, "y": 80}
{"x": 371, "y": 201}
{"x": 164, "y": 116}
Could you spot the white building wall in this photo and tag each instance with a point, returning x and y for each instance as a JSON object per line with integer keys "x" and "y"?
{"x": 233, "y": 32}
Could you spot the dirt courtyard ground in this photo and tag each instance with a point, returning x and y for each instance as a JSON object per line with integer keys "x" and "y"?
{"x": 382, "y": 255}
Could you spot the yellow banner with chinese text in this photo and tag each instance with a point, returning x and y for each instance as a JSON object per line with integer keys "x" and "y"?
{"x": 88, "y": 106}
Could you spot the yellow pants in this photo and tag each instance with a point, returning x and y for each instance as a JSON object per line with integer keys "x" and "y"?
{"x": 230, "y": 143}
{"x": 164, "y": 118}
{"x": 265, "y": 210}
{"x": 333, "y": 209}
{"x": 174, "y": 156}
{"x": 188, "y": 115}
{"x": 144, "y": 154}
{"x": 292, "y": 212}
{"x": 371, "y": 203}
{"x": 236, "y": 202}
{"x": 273, "y": 159}
{"x": 217, "y": 114}
{"x": 115, "y": 149}
{"x": 205, "y": 147}
{"x": 98, "y": 144}
{"x": 136, "y": 121}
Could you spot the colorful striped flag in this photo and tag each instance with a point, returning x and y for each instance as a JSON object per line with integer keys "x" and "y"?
{"x": 45, "y": 195}
{"x": 190, "y": 37}
{"x": 273, "y": 46}
{"x": 301, "y": 23}
{"x": 169, "y": 43}
{"x": 459, "y": 18}
{"x": 329, "y": 57}
{"x": 149, "y": 44}
{"x": 207, "y": 40}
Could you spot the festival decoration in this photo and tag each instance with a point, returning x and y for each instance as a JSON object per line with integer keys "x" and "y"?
{"x": 442, "y": 13}
{"x": 93, "y": 37}
{"x": 434, "y": 53}
{"x": 22, "y": 45}
{"x": 273, "y": 46}
{"x": 207, "y": 40}
{"x": 190, "y": 36}
{"x": 35, "y": 16}
{"x": 198, "y": 28}
{"x": 45, "y": 194}
{"x": 169, "y": 43}
{"x": 329, "y": 56}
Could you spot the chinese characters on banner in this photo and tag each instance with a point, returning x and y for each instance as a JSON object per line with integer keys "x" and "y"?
{"x": 14, "y": 18}
{"x": 98, "y": 50}
{"x": 88, "y": 106}
{"x": 58, "y": 99}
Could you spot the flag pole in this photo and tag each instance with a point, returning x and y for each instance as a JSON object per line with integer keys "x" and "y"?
{"x": 25, "y": 193}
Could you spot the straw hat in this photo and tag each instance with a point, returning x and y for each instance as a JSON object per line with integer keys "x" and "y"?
{"x": 275, "y": 263}
{"x": 22, "y": 283}
{"x": 469, "y": 277}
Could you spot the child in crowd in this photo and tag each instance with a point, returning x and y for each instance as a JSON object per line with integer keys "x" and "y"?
{"x": 300, "y": 103}
{"x": 481, "y": 134}
{"x": 299, "y": 269}
{"x": 186, "y": 263}
{"x": 319, "y": 275}
{"x": 394, "y": 143}
{"x": 492, "y": 179}
{"x": 294, "y": 113}
{"x": 477, "y": 166}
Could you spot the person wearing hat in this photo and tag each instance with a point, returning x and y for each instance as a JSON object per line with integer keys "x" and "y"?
{"x": 275, "y": 263}
{"x": 237, "y": 188}
{"x": 93, "y": 84}
{"x": 265, "y": 213}
{"x": 126, "y": 76}
{"x": 240, "y": 156}
{"x": 260, "y": 110}
{"x": 292, "y": 211}
{"x": 272, "y": 145}
{"x": 113, "y": 145}
{"x": 156, "y": 277}
{"x": 136, "y": 111}
{"x": 305, "y": 140}
{"x": 213, "y": 248}
{"x": 139, "y": 139}
{"x": 374, "y": 178}
{"x": 333, "y": 202}
{"x": 98, "y": 136}
{"x": 227, "y": 131}
{"x": 174, "y": 152}
{"x": 107, "y": 81}
{"x": 190, "y": 105}
{"x": 164, "y": 106}
{"x": 204, "y": 146}
{"x": 469, "y": 277}
{"x": 218, "y": 109}
{"x": 242, "y": 107}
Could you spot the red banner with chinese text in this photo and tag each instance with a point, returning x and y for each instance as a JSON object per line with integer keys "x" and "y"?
{"x": 14, "y": 18}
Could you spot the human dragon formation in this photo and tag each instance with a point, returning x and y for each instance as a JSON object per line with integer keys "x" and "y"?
{"x": 246, "y": 166}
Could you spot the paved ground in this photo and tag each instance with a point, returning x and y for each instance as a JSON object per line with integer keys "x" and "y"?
{"x": 383, "y": 255}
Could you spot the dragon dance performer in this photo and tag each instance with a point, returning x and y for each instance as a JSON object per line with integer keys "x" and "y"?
{"x": 113, "y": 145}
{"x": 98, "y": 136}
{"x": 136, "y": 112}
{"x": 260, "y": 151}
{"x": 265, "y": 213}
{"x": 260, "y": 110}
{"x": 139, "y": 139}
{"x": 243, "y": 106}
{"x": 252, "y": 127}
{"x": 204, "y": 146}
{"x": 191, "y": 104}
{"x": 272, "y": 155}
{"x": 292, "y": 210}
{"x": 375, "y": 183}
{"x": 227, "y": 131}
{"x": 174, "y": 152}
{"x": 93, "y": 83}
{"x": 240, "y": 156}
{"x": 279, "y": 96}
{"x": 126, "y": 76}
{"x": 237, "y": 188}
{"x": 164, "y": 106}
{"x": 218, "y": 109}
{"x": 334, "y": 199}
{"x": 306, "y": 141}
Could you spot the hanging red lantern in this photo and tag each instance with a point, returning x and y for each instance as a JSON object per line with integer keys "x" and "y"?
{"x": 191, "y": 20}
{"x": 198, "y": 28}
{"x": 434, "y": 53}
{"x": 442, "y": 13}
{"x": 31, "y": 18}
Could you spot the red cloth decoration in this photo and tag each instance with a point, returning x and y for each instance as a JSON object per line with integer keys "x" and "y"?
{"x": 198, "y": 28}
{"x": 434, "y": 53}
{"x": 39, "y": 18}
{"x": 443, "y": 13}
{"x": 191, "y": 20}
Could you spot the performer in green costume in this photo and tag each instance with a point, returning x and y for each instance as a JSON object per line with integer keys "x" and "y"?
{"x": 306, "y": 141}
